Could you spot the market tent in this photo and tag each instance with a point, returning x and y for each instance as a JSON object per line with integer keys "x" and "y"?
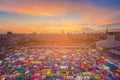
{"x": 22, "y": 77}
{"x": 111, "y": 65}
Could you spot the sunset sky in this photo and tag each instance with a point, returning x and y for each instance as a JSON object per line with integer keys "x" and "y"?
{"x": 51, "y": 16}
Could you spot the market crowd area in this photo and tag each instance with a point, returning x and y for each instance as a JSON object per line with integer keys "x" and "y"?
{"x": 59, "y": 64}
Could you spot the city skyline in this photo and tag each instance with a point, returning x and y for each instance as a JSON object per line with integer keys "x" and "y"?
{"x": 52, "y": 16}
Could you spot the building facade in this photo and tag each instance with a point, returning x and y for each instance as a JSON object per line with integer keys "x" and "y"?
{"x": 113, "y": 34}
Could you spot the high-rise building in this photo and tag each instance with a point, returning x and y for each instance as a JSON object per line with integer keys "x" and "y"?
{"x": 9, "y": 33}
{"x": 62, "y": 32}
{"x": 113, "y": 34}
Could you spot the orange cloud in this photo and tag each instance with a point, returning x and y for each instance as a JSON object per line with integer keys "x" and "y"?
{"x": 41, "y": 28}
{"x": 88, "y": 13}
{"x": 33, "y": 8}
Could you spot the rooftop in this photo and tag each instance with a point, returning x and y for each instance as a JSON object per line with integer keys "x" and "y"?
{"x": 112, "y": 30}
{"x": 114, "y": 51}
{"x": 108, "y": 43}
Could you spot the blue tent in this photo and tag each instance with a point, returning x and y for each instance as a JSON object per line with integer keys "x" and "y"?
{"x": 48, "y": 78}
{"x": 112, "y": 66}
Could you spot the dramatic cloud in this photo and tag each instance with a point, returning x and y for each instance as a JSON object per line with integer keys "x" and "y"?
{"x": 87, "y": 12}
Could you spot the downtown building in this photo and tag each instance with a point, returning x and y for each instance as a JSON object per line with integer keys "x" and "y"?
{"x": 112, "y": 44}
